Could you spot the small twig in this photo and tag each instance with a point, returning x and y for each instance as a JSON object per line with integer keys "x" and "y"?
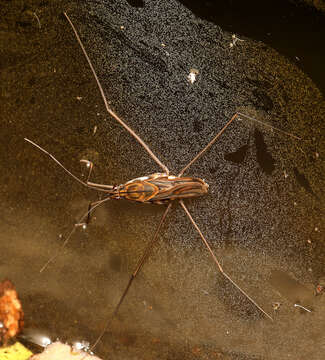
{"x": 38, "y": 20}
{"x": 302, "y": 307}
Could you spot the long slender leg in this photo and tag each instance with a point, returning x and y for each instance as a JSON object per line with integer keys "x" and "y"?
{"x": 141, "y": 262}
{"x": 90, "y": 166}
{"x": 269, "y": 126}
{"x": 81, "y": 220}
{"x": 208, "y": 146}
{"x": 237, "y": 115}
{"x": 101, "y": 187}
{"x": 109, "y": 110}
{"x": 218, "y": 263}
{"x": 91, "y": 206}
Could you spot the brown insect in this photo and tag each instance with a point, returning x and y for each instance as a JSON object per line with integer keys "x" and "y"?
{"x": 157, "y": 188}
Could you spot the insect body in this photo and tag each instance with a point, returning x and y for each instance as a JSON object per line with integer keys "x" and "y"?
{"x": 157, "y": 188}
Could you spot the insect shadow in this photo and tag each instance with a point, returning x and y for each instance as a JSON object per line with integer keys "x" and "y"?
{"x": 157, "y": 188}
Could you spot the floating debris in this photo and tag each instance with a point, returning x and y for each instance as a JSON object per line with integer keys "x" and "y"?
{"x": 302, "y": 307}
{"x": 234, "y": 40}
{"x": 16, "y": 351}
{"x": 192, "y": 75}
{"x": 276, "y": 306}
{"x": 320, "y": 288}
{"x": 60, "y": 351}
{"x": 11, "y": 313}
{"x": 36, "y": 337}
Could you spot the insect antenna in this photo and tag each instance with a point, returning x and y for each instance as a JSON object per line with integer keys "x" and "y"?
{"x": 218, "y": 263}
{"x": 108, "y": 109}
{"x": 141, "y": 262}
{"x": 89, "y": 185}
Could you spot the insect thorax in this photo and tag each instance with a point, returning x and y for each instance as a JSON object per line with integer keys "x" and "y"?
{"x": 160, "y": 188}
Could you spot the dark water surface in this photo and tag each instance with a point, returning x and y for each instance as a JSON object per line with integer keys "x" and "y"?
{"x": 293, "y": 28}
{"x": 263, "y": 215}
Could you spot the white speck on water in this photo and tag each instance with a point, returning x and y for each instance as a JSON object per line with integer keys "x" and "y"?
{"x": 192, "y": 75}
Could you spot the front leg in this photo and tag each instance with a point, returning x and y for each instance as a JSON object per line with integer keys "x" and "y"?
{"x": 85, "y": 220}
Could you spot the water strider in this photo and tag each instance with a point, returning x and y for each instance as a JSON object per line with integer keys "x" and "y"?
{"x": 157, "y": 188}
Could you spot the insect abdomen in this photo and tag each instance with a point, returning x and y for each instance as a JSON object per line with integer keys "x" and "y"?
{"x": 160, "y": 188}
